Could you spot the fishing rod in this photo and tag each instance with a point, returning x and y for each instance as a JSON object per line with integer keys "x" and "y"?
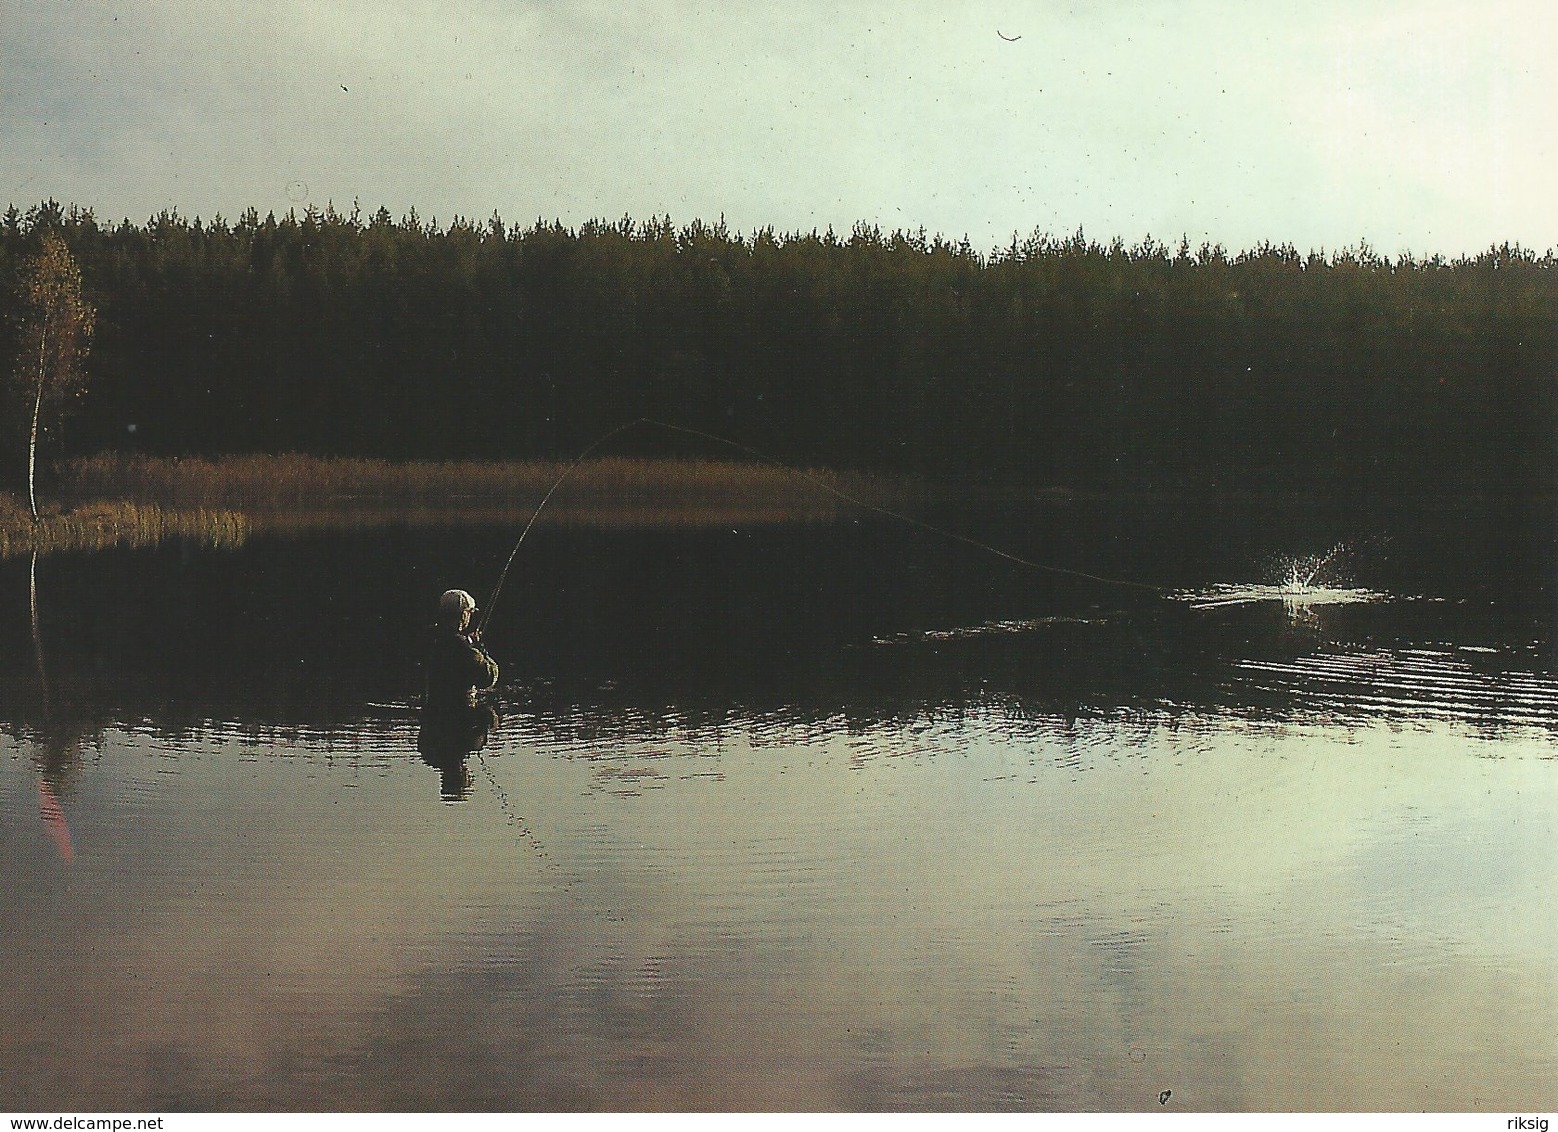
{"x": 800, "y": 473}
{"x": 492, "y": 599}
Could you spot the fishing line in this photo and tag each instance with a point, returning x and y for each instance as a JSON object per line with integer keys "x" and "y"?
{"x": 492, "y": 600}
{"x": 800, "y": 473}
{"x": 521, "y": 830}
{"x": 911, "y": 520}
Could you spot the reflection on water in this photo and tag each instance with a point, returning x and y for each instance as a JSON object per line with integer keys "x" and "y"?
{"x": 986, "y": 913}
{"x": 446, "y": 742}
{"x": 754, "y": 831}
{"x": 54, "y": 820}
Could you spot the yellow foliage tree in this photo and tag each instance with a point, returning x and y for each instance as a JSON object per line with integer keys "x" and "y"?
{"x": 56, "y": 329}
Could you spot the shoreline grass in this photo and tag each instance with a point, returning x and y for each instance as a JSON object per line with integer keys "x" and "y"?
{"x": 105, "y": 523}
{"x": 114, "y": 499}
{"x": 259, "y": 484}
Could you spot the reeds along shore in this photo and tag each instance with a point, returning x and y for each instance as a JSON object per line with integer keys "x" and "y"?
{"x": 291, "y": 482}
{"x": 112, "y": 499}
{"x": 103, "y": 524}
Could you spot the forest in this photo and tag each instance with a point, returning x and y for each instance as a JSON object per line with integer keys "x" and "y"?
{"x": 1053, "y": 362}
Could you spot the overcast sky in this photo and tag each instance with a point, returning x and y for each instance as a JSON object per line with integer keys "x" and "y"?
{"x": 1427, "y": 127}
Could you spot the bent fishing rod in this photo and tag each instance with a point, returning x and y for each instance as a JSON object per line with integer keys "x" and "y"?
{"x": 799, "y": 473}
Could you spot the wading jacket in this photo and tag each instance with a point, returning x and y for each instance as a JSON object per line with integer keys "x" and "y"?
{"x": 455, "y": 670}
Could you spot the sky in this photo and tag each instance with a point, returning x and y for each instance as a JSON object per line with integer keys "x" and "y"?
{"x": 1425, "y": 127}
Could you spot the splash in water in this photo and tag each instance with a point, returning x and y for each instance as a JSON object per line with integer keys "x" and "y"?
{"x": 1302, "y": 583}
{"x": 1305, "y": 573}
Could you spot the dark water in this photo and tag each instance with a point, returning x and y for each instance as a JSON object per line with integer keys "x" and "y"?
{"x": 808, "y": 818}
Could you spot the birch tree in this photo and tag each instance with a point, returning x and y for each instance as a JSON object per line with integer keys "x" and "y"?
{"x": 56, "y": 330}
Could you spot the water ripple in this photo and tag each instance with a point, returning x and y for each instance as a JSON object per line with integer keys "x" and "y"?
{"x": 1415, "y": 683}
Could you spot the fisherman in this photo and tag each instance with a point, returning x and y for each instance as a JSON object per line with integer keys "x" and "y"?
{"x": 455, "y": 723}
{"x": 458, "y": 667}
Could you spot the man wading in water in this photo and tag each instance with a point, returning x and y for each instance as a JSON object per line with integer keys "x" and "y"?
{"x": 454, "y": 722}
{"x": 457, "y": 665}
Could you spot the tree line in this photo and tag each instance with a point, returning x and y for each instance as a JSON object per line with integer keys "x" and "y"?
{"x": 1052, "y": 361}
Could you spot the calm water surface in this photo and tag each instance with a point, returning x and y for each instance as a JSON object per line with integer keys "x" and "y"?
{"x": 837, "y": 817}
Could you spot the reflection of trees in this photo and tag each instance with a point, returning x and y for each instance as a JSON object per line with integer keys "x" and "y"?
{"x": 59, "y": 731}
{"x": 57, "y": 748}
{"x": 56, "y": 737}
{"x": 175, "y": 637}
{"x": 37, "y": 632}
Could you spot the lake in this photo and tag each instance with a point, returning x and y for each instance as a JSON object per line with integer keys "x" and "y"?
{"x": 825, "y": 816}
